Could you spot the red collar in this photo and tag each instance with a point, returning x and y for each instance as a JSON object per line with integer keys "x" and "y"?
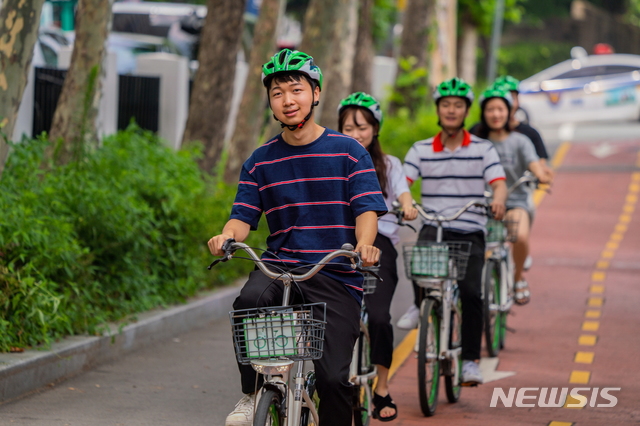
{"x": 437, "y": 141}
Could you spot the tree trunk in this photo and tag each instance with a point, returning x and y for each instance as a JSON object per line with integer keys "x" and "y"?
{"x": 468, "y": 61}
{"x": 362, "y": 73}
{"x": 339, "y": 68}
{"x": 73, "y": 128}
{"x": 317, "y": 37}
{"x": 413, "y": 48}
{"x": 443, "y": 56}
{"x": 19, "y": 21}
{"x": 253, "y": 104}
{"x": 214, "y": 80}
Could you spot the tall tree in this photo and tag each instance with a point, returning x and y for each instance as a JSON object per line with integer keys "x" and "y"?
{"x": 476, "y": 18}
{"x": 411, "y": 81}
{"x": 319, "y": 28}
{"x": 73, "y": 128}
{"x": 213, "y": 83}
{"x": 362, "y": 72}
{"x": 338, "y": 69}
{"x": 19, "y": 21}
{"x": 253, "y": 104}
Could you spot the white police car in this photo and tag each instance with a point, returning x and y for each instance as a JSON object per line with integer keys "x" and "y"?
{"x": 590, "y": 88}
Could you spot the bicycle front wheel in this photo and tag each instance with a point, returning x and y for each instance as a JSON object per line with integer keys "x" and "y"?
{"x": 492, "y": 316}
{"x": 429, "y": 357}
{"x": 362, "y": 396}
{"x": 269, "y": 410}
{"x": 453, "y": 373}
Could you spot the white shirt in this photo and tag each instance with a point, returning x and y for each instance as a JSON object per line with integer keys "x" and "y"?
{"x": 450, "y": 179}
{"x": 396, "y": 185}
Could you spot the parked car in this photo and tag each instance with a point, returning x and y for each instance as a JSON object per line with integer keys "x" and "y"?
{"x": 47, "y": 48}
{"x": 180, "y": 23}
{"x": 590, "y": 88}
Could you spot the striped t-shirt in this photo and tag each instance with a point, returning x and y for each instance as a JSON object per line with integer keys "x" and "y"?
{"x": 450, "y": 179}
{"x": 311, "y": 196}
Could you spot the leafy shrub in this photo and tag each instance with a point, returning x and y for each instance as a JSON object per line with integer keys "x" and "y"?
{"x": 122, "y": 231}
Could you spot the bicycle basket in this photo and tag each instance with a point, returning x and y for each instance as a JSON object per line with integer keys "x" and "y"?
{"x": 428, "y": 259}
{"x": 293, "y": 332}
{"x": 370, "y": 282}
{"x": 502, "y": 231}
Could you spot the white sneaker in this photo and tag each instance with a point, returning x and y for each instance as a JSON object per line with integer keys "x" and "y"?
{"x": 410, "y": 319}
{"x": 471, "y": 374}
{"x": 242, "y": 415}
{"x": 527, "y": 263}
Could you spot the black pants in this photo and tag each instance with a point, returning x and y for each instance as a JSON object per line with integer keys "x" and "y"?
{"x": 470, "y": 288}
{"x": 342, "y": 330}
{"x": 378, "y": 304}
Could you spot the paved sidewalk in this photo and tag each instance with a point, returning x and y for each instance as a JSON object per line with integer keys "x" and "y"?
{"x": 580, "y": 328}
{"x": 21, "y": 373}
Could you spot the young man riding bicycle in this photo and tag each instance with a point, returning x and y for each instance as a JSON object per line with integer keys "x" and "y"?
{"x": 318, "y": 190}
{"x": 455, "y": 167}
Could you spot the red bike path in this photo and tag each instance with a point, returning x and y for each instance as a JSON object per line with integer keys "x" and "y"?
{"x": 582, "y": 326}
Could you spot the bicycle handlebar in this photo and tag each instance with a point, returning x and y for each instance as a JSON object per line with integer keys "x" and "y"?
{"x": 523, "y": 180}
{"x": 437, "y": 217}
{"x": 230, "y": 246}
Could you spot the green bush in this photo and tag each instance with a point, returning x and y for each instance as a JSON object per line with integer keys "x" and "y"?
{"x": 120, "y": 232}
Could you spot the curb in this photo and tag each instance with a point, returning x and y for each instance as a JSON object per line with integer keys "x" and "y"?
{"x": 21, "y": 373}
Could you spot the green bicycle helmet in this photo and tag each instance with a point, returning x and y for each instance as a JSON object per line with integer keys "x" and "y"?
{"x": 507, "y": 82}
{"x": 363, "y": 100}
{"x": 291, "y": 60}
{"x": 495, "y": 91}
{"x": 454, "y": 87}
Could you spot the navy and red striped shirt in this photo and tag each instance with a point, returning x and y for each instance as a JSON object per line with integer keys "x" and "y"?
{"x": 311, "y": 196}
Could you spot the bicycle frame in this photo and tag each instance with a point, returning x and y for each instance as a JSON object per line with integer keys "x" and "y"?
{"x": 442, "y": 290}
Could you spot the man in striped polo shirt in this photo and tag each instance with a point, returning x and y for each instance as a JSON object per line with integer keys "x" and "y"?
{"x": 318, "y": 190}
{"x": 455, "y": 167}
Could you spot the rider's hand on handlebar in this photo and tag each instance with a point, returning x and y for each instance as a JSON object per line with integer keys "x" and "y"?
{"x": 498, "y": 210}
{"x": 547, "y": 176}
{"x": 409, "y": 212}
{"x": 215, "y": 244}
{"x": 370, "y": 255}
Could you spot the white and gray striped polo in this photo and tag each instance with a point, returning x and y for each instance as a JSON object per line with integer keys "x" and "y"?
{"x": 450, "y": 179}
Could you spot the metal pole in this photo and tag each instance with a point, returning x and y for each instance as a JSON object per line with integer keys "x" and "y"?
{"x": 495, "y": 40}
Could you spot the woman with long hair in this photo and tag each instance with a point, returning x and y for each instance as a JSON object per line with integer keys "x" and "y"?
{"x": 360, "y": 117}
{"x": 517, "y": 156}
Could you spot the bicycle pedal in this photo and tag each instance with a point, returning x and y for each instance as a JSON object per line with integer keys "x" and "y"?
{"x": 510, "y": 329}
{"x": 469, "y": 385}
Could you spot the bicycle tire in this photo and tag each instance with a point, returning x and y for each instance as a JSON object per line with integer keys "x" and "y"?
{"x": 269, "y": 409}
{"x": 360, "y": 406}
{"x": 504, "y": 269}
{"x": 492, "y": 319}
{"x": 453, "y": 389}
{"x": 361, "y": 401}
{"x": 306, "y": 419}
{"x": 429, "y": 357}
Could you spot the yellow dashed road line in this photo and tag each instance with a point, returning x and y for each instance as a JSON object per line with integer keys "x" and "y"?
{"x": 584, "y": 357}
{"x": 595, "y": 303}
{"x": 580, "y": 377}
{"x": 587, "y": 340}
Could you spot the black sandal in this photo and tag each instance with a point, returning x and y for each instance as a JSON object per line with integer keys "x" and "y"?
{"x": 381, "y": 402}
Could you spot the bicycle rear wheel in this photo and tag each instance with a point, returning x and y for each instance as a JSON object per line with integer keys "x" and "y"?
{"x": 492, "y": 315}
{"x": 454, "y": 372}
{"x": 306, "y": 418}
{"x": 269, "y": 410}
{"x": 429, "y": 357}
